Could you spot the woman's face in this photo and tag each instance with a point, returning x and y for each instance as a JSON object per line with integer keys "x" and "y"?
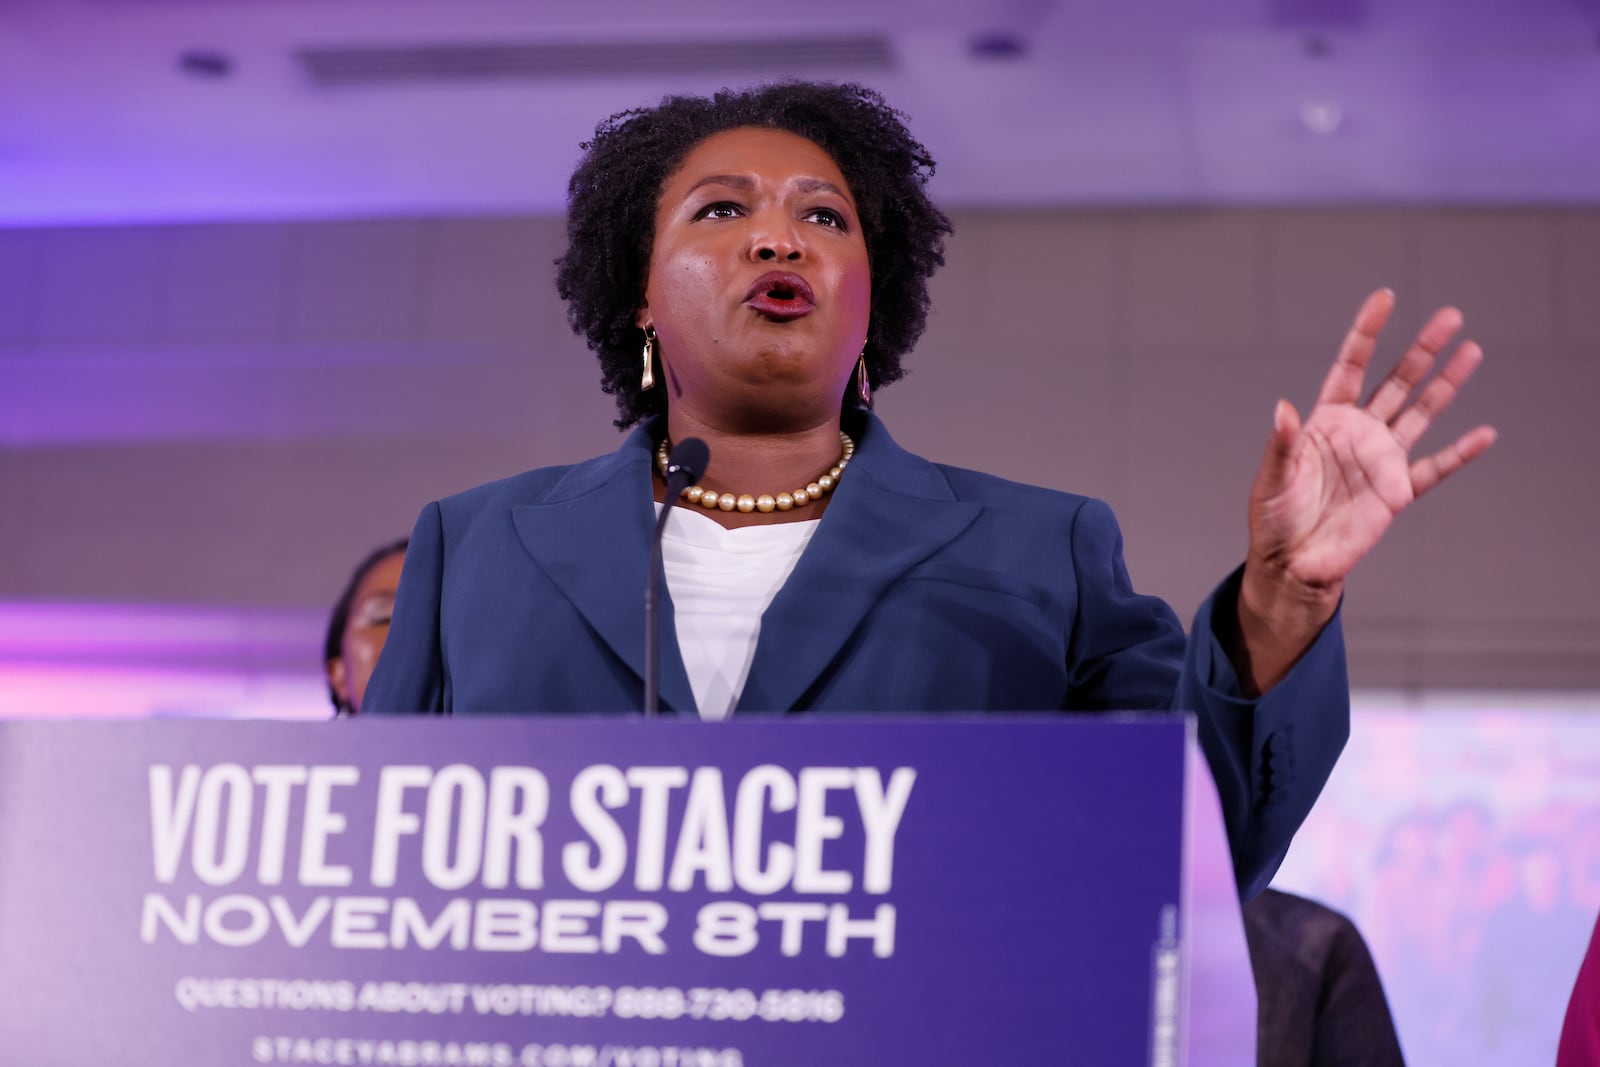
{"x": 365, "y": 630}
{"x": 759, "y": 288}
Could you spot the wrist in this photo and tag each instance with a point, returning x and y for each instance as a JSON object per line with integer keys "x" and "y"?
{"x": 1274, "y": 598}
{"x": 1278, "y": 618}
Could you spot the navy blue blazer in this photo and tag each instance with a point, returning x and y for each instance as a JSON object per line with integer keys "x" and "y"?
{"x": 926, "y": 589}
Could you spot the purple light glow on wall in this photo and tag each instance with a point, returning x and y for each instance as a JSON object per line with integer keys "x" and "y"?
{"x": 110, "y": 660}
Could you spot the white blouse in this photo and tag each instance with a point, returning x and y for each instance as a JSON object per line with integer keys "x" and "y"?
{"x": 721, "y": 582}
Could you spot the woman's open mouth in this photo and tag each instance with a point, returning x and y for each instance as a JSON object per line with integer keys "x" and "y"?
{"x": 781, "y": 295}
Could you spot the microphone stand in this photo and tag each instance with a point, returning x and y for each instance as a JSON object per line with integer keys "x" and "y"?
{"x": 685, "y": 465}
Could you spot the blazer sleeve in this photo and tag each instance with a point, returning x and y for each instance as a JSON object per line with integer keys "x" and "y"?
{"x": 410, "y": 675}
{"x": 1270, "y": 756}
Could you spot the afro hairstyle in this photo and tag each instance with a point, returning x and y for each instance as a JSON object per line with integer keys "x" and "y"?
{"x": 613, "y": 195}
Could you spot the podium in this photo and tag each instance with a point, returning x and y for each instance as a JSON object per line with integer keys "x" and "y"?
{"x": 563, "y": 891}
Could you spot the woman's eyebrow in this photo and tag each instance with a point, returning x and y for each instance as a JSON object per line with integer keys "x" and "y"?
{"x": 817, "y": 185}
{"x": 742, "y": 182}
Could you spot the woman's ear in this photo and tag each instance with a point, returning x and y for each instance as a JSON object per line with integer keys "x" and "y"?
{"x": 641, "y": 318}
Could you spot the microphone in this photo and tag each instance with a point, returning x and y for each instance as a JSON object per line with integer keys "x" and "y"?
{"x": 685, "y": 465}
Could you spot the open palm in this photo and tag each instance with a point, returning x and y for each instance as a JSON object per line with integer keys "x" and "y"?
{"x": 1329, "y": 487}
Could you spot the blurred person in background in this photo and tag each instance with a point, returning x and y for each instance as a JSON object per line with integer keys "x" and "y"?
{"x": 1580, "y": 1036}
{"x": 359, "y": 626}
{"x": 1319, "y": 1000}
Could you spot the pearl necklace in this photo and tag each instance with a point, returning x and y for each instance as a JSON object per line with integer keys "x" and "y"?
{"x": 765, "y": 502}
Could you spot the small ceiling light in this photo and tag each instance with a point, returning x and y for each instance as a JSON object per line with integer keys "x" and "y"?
{"x": 205, "y": 63}
{"x": 997, "y": 46}
{"x": 1321, "y": 116}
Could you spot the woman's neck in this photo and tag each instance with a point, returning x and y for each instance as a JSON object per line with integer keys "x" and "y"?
{"x": 760, "y": 463}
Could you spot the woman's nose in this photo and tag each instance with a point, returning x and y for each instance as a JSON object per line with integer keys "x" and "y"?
{"x": 776, "y": 240}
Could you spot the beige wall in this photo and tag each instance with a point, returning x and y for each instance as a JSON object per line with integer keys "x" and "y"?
{"x": 233, "y": 413}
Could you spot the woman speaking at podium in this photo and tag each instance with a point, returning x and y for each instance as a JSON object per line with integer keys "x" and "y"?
{"x": 749, "y": 268}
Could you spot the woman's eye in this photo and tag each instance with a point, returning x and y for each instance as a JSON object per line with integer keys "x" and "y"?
{"x": 722, "y": 209}
{"x": 374, "y": 612}
{"x": 827, "y": 217}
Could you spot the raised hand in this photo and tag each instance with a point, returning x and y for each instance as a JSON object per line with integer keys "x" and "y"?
{"x": 1328, "y": 488}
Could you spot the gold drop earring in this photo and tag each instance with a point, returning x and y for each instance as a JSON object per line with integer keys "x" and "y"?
{"x": 647, "y": 380}
{"x": 863, "y": 383}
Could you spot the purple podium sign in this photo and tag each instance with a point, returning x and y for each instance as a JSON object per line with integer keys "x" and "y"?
{"x": 586, "y": 892}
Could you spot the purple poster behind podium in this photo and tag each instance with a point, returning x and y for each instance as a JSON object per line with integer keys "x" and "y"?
{"x": 602, "y": 892}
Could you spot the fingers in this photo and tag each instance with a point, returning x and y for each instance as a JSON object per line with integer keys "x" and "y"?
{"x": 1430, "y": 471}
{"x": 1409, "y": 426}
{"x": 1391, "y": 395}
{"x": 1343, "y": 383}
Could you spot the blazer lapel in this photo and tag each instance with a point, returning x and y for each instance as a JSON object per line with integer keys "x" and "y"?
{"x": 892, "y": 510}
{"x": 591, "y": 537}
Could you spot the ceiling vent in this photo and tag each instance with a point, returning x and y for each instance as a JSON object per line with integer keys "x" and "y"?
{"x": 379, "y": 65}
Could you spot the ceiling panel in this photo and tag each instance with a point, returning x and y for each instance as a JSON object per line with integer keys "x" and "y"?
{"x": 1087, "y": 102}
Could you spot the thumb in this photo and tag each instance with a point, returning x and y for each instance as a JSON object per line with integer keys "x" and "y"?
{"x": 1280, "y": 446}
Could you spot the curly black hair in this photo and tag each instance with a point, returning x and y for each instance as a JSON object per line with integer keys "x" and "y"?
{"x": 613, "y": 194}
